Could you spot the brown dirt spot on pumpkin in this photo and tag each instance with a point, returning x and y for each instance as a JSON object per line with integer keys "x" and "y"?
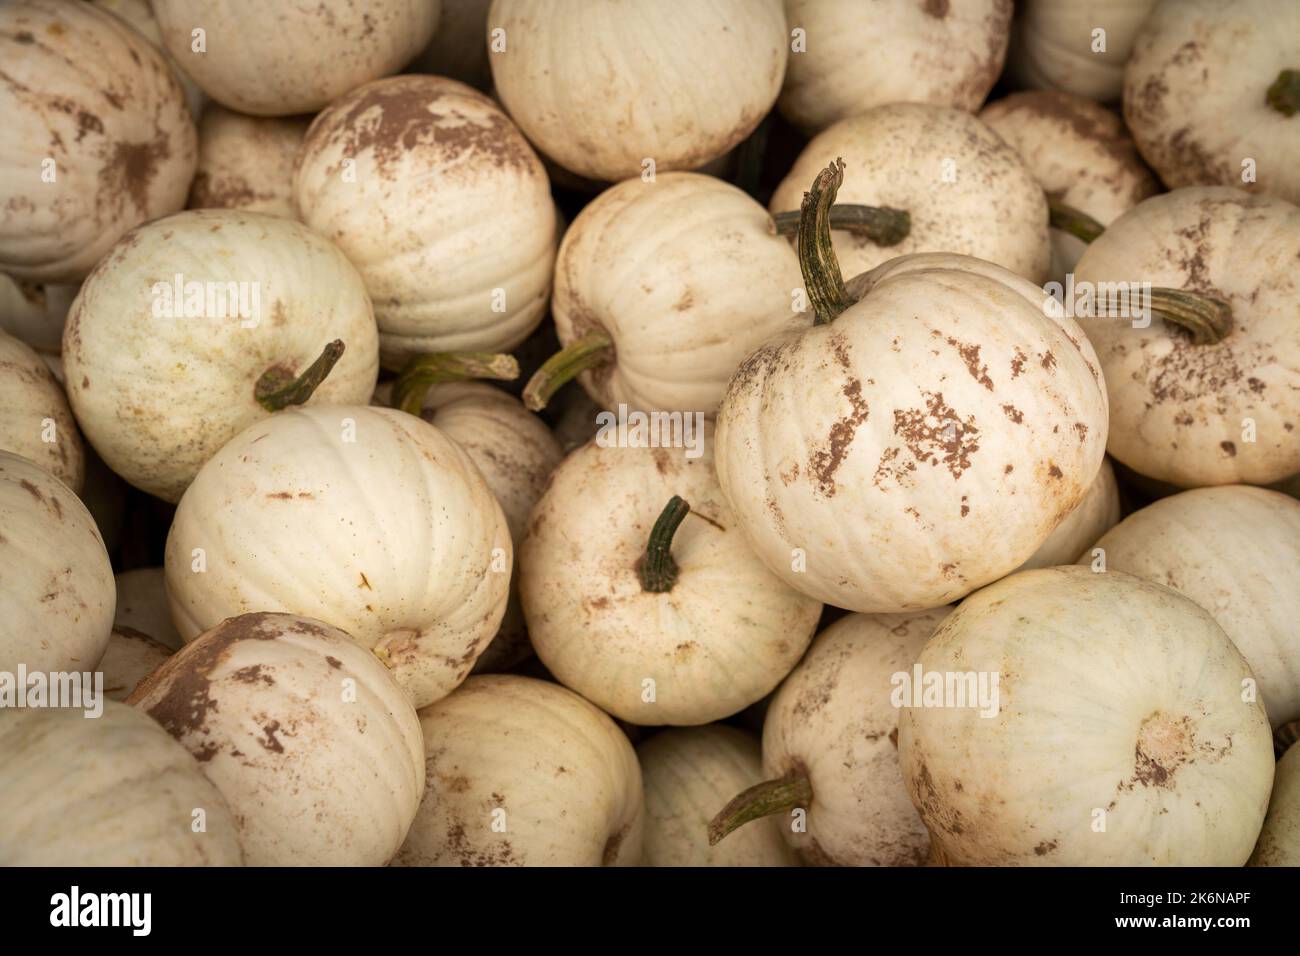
{"x": 937, "y": 434}
{"x": 131, "y": 168}
{"x": 970, "y": 354}
{"x": 1013, "y": 413}
{"x": 1018, "y": 361}
{"x": 253, "y": 675}
{"x": 610, "y": 854}
{"x": 1044, "y": 848}
{"x": 935, "y": 8}
{"x": 823, "y": 463}
{"x": 1229, "y": 448}
{"x": 1163, "y": 745}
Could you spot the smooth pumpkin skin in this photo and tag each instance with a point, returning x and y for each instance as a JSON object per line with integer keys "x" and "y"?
{"x": 246, "y": 162}
{"x": 833, "y": 719}
{"x": 139, "y": 14}
{"x": 35, "y": 313}
{"x": 1120, "y": 702}
{"x": 946, "y": 404}
{"x": 157, "y": 396}
{"x": 687, "y": 276}
{"x": 316, "y": 749}
{"x": 1235, "y": 551}
{"x": 689, "y": 773}
{"x": 115, "y": 790}
{"x": 449, "y": 208}
{"x": 719, "y": 640}
{"x": 861, "y": 55}
{"x": 56, "y": 584}
{"x": 1195, "y": 94}
{"x": 1279, "y": 840}
{"x": 1080, "y": 153}
{"x": 1179, "y": 409}
{"x": 896, "y": 155}
{"x": 30, "y": 396}
{"x": 1051, "y": 45}
{"x": 129, "y": 658}
{"x": 574, "y": 76}
{"x": 281, "y": 59}
{"x": 367, "y": 518}
{"x": 1096, "y": 514}
{"x": 561, "y": 771}
{"x": 142, "y": 606}
{"x": 86, "y": 90}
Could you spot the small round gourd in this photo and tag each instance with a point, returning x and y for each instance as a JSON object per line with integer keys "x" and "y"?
{"x": 37, "y": 422}
{"x": 129, "y": 658}
{"x": 246, "y": 162}
{"x": 1075, "y": 46}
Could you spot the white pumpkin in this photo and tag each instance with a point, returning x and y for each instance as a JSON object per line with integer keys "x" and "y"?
{"x": 688, "y": 772}
{"x": 110, "y": 791}
{"x": 575, "y": 77}
{"x": 459, "y": 47}
{"x": 313, "y": 745}
{"x": 626, "y": 589}
{"x": 1096, "y": 514}
{"x": 91, "y": 150}
{"x": 142, "y": 606}
{"x": 1076, "y": 46}
{"x": 860, "y": 55}
{"x": 139, "y": 14}
{"x": 129, "y": 658}
{"x": 830, "y": 747}
{"x": 37, "y": 422}
{"x": 1207, "y": 97}
{"x": 283, "y": 59}
{"x": 1221, "y": 412}
{"x": 965, "y": 189}
{"x": 1279, "y": 840}
{"x": 521, "y": 772}
{"x": 448, "y": 217}
{"x": 1083, "y": 158}
{"x": 35, "y": 313}
{"x": 246, "y": 162}
{"x": 680, "y": 278}
{"x": 1235, "y": 551}
{"x": 1114, "y": 700}
{"x": 56, "y": 584}
{"x": 941, "y": 397}
{"x": 162, "y": 371}
{"x": 367, "y": 518}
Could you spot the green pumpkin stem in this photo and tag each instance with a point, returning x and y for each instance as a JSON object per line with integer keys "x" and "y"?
{"x": 883, "y": 225}
{"x": 279, "y": 388}
{"x": 761, "y": 800}
{"x": 1077, "y": 223}
{"x": 821, "y": 270}
{"x": 423, "y": 371}
{"x": 1207, "y": 320}
{"x": 1284, "y": 94}
{"x": 593, "y": 349}
{"x": 658, "y": 570}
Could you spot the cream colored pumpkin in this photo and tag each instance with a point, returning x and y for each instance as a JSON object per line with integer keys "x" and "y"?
{"x": 459, "y": 47}
{"x": 110, "y": 791}
{"x": 129, "y": 658}
{"x": 142, "y": 606}
{"x": 1080, "y": 154}
{"x": 157, "y": 395}
{"x": 686, "y": 276}
{"x": 575, "y": 77}
{"x": 367, "y": 518}
{"x": 522, "y": 772}
{"x": 834, "y": 722}
{"x": 691, "y": 771}
{"x": 1119, "y": 704}
{"x": 449, "y": 216}
{"x": 946, "y": 404}
{"x": 35, "y": 313}
{"x": 139, "y": 14}
{"x": 246, "y": 162}
{"x": 283, "y": 58}
{"x": 860, "y": 55}
{"x": 56, "y": 584}
{"x": 98, "y": 137}
{"x": 1279, "y": 841}
{"x": 1196, "y": 94}
{"x": 306, "y": 735}
{"x": 702, "y": 641}
{"x": 37, "y": 422}
{"x": 1235, "y": 551}
{"x": 1194, "y": 414}
{"x": 965, "y": 189}
{"x": 1055, "y": 44}
{"x": 1096, "y": 514}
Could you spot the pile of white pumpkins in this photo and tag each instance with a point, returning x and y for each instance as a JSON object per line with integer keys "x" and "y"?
{"x": 863, "y": 597}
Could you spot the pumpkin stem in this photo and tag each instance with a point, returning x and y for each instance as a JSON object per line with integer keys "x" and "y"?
{"x": 658, "y": 569}
{"x": 594, "y": 348}
{"x": 883, "y": 225}
{"x": 278, "y": 387}
{"x": 761, "y": 800}
{"x": 1206, "y": 319}
{"x": 423, "y": 371}
{"x": 821, "y": 270}
{"x": 1077, "y": 223}
{"x": 1284, "y": 94}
